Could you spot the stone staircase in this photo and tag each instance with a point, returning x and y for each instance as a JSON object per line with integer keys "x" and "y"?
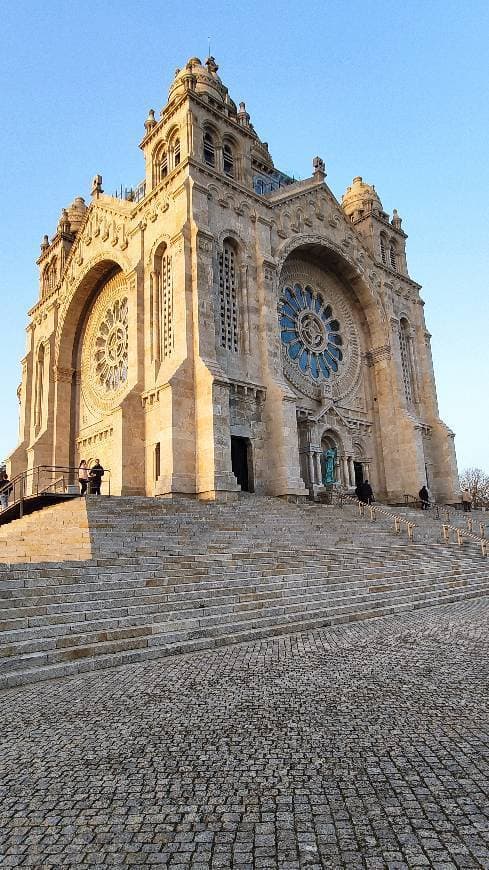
{"x": 103, "y": 581}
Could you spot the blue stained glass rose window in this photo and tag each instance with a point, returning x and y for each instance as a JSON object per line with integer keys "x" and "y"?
{"x": 309, "y": 332}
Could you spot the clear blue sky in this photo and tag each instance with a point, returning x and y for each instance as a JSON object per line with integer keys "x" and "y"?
{"x": 395, "y": 92}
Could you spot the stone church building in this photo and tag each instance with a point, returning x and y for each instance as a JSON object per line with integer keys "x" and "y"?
{"x": 221, "y": 325}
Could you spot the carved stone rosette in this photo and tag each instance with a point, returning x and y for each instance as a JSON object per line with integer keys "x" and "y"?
{"x": 105, "y": 351}
{"x": 327, "y": 314}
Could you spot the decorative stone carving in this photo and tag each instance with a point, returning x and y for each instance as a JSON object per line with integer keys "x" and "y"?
{"x": 105, "y": 351}
{"x": 327, "y": 345}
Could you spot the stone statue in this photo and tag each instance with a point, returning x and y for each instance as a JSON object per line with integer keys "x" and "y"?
{"x": 329, "y": 460}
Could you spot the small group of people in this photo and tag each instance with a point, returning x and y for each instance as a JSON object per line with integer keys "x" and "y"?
{"x": 467, "y": 500}
{"x": 364, "y": 492}
{"x": 90, "y": 478}
{"x": 5, "y": 489}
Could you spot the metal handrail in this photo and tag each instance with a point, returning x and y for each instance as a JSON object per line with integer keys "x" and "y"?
{"x": 375, "y": 509}
{"x": 35, "y": 481}
{"x": 468, "y": 534}
{"x": 415, "y": 501}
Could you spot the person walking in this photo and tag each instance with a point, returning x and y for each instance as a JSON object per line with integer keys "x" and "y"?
{"x": 83, "y": 476}
{"x": 96, "y": 474}
{"x": 424, "y": 498}
{"x": 467, "y": 500}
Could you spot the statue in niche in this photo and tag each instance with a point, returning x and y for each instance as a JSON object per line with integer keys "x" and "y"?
{"x": 328, "y": 463}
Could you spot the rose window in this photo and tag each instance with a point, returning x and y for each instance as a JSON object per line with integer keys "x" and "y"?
{"x": 111, "y": 347}
{"x": 309, "y": 332}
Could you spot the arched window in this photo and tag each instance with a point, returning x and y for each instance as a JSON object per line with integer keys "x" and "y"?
{"x": 393, "y": 254}
{"x": 38, "y": 401}
{"x": 160, "y": 165}
{"x": 228, "y": 159}
{"x": 161, "y": 306}
{"x": 406, "y": 364}
{"x": 228, "y": 298}
{"x": 383, "y": 251}
{"x": 209, "y": 149}
{"x": 163, "y": 166}
{"x": 176, "y": 152}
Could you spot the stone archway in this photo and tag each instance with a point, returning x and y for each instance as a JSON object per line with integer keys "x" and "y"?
{"x": 98, "y": 408}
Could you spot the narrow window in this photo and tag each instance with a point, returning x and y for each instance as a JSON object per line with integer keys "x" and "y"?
{"x": 228, "y": 159}
{"x": 39, "y": 389}
{"x": 228, "y": 299}
{"x": 176, "y": 152}
{"x": 162, "y": 307}
{"x": 209, "y": 149}
{"x": 164, "y": 165}
{"x": 407, "y": 374}
{"x": 392, "y": 255}
{"x": 157, "y": 461}
{"x": 382, "y": 249}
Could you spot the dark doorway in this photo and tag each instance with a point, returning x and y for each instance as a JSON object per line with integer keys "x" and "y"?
{"x": 240, "y": 448}
{"x": 358, "y": 473}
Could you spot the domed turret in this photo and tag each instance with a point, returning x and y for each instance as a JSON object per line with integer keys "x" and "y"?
{"x": 361, "y": 197}
{"x": 76, "y": 213}
{"x": 203, "y": 80}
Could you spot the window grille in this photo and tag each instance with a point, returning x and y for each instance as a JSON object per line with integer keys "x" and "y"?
{"x": 228, "y": 299}
{"x": 392, "y": 254}
{"x": 166, "y": 308}
{"x": 406, "y": 361}
{"x": 228, "y": 159}
{"x": 39, "y": 389}
{"x": 209, "y": 150}
{"x": 176, "y": 153}
{"x": 382, "y": 249}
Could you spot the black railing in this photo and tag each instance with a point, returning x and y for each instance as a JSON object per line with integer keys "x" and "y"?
{"x": 44, "y": 480}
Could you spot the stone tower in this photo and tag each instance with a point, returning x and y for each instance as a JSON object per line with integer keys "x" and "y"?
{"x": 222, "y": 325}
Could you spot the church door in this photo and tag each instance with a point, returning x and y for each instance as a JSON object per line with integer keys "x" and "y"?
{"x": 239, "y": 461}
{"x": 358, "y": 473}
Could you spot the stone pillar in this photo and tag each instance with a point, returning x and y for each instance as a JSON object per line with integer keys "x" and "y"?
{"x": 345, "y": 471}
{"x": 351, "y": 471}
{"x": 312, "y": 476}
{"x": 317, "y": 466}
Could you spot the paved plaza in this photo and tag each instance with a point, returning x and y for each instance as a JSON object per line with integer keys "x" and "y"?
{"x": 360, "y": 746}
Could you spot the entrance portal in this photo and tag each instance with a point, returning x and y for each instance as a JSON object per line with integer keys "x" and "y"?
{"x": 240, "y": 455}
{"x": 358, "y": 473}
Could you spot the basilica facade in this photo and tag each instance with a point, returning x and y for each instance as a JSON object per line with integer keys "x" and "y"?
{"x": 221, "y": 326}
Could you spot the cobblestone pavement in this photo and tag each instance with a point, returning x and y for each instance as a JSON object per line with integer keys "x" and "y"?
{"x": 361, "y": 746}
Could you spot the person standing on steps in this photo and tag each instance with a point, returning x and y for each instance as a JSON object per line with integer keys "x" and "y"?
{"x": 424, "y": 498}
{"x": 364, "y": 493}
{"x": 367, "y": 493}
{"x": 467, "y": 500}
{"x": 83, "y": 477}
{"x": 4, "y": 489}
{"x": 96, "y": 474}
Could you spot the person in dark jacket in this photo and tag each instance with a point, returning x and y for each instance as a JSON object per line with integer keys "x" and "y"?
{"x": 364, "y": 492}
{"x": 367, "y": 493}
{"x": 96, "y": 474}
{"x": 424, "y": 498}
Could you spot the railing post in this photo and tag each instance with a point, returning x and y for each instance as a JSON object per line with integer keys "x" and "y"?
{"x": 482, "y": 529}
{"x": 469, "y": 524}
{"x": 446, "y": 533}
{"x": 459, "y": 537}
{"x": 410, "y": 531}
{"x": 397, "y": 525}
